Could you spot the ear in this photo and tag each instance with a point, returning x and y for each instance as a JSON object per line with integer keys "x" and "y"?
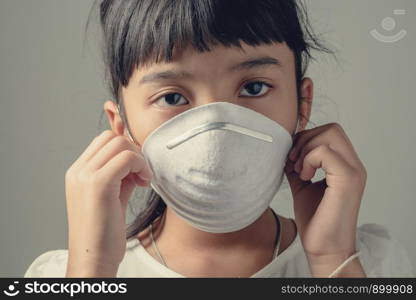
{"x": 305, "y": 106}
{"x": 114, "y": 117}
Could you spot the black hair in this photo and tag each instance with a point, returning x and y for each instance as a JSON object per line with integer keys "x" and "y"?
{"x": 139, "y": 32}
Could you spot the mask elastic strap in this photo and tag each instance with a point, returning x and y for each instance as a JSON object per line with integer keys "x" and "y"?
{"x": 120, "y": 109}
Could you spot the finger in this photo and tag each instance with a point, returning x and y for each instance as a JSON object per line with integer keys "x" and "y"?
{"x": 309, "y": 146}
{"x": 335, "y": 138}
{"x": 128, "y": 185}
{"x": 301, "y": 138}
{"x": 121, "y": 165}
{"x": 327, "y": 159}
{"x": 342, "y": 144}
{"x": 109, "y": 150}
{"x": 96, "y": 144}
{"x": 139, "y": 181}
{"x": 295, "y": 182}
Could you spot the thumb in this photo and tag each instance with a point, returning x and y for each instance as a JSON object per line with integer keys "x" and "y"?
{"x": 295, "y": 182}
{"x": 127, "y": 187}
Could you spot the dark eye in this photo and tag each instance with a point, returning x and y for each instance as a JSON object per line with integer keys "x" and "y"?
{"x": 171, "y": 99}
{"x": 256, "y": 88}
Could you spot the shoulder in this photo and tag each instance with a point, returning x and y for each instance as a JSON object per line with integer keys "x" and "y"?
{"x": 49, "y": 264}
{"x": 381, "y": 253}
{"x": 53, "y": 263}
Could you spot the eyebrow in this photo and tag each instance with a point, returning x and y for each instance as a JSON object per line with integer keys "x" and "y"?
{"x": 252, "y": 63}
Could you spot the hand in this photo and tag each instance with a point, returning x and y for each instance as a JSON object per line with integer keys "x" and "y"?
{"x": 326, "y": 211}
{"x": 98, "y": 186}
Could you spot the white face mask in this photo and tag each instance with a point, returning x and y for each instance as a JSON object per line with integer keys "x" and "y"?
{"x": 219, "y": 165}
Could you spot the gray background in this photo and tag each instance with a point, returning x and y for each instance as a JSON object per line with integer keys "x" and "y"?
{"x": 52, "y": 91}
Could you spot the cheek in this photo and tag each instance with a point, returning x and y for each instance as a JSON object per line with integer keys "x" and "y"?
{"x": 288, "y": 114}
{"x": 281, "y": 108}
{"x": 143, "y": 118}
{"x": 143, "y": 127}
{"x": 146, "y": 123}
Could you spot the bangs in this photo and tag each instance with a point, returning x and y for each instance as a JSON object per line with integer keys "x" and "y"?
{"x": 141, "y": 32}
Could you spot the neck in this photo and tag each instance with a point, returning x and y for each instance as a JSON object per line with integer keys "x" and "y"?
{"x": 171, "y": 229}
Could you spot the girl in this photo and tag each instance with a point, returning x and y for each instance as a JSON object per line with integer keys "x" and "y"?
{"x": 211, "y": 105}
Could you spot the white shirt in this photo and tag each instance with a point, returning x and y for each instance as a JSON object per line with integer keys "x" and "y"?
{"x": 381, "y": 256}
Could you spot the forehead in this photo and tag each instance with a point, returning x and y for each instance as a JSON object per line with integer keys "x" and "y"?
{"x": 221, "y": 58}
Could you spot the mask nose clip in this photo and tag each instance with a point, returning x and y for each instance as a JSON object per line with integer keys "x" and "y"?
{"x": 217, "y": 125}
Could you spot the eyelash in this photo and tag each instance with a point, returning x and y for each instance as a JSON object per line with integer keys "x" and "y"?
{"x": 269, "y": 86}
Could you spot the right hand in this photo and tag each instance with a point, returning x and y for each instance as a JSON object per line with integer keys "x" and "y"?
{"x": 98, "y": 186}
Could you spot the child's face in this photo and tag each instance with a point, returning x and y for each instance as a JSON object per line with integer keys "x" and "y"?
{"x": 267, "y": 86}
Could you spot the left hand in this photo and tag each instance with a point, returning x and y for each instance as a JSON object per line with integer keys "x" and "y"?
{"x": 326, "y": 211}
